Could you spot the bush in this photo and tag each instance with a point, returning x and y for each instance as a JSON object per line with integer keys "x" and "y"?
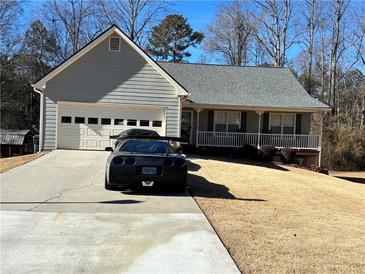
{"x": 249, "y": 151}
{"x": 268, "y": 152}
{"x": 344, "y": 148}
{"x": 287, "y": 155}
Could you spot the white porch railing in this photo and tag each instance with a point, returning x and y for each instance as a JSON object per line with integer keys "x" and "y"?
{"x": 238, "y": 139}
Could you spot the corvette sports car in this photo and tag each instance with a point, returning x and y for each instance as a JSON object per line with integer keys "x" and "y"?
{"x": 133, "y": 132}
{"x": 144, "y": 161}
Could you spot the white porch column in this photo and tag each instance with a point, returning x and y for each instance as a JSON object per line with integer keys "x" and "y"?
{"x": 259, "y": 129}
{"x": 198, "y": 110}
{"x": 320, "y": 138}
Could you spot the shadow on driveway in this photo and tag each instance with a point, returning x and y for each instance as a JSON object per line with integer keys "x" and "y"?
{"x": 113, "y": 202}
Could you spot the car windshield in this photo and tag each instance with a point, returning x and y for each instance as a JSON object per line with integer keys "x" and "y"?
{"x": 146, "y": 146}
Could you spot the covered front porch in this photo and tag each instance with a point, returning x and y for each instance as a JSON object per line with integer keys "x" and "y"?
{"x": 234, "y": 127}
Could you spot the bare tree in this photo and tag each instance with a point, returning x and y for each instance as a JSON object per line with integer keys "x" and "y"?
{"x": 273, "y": 33}
{"x": 322, "y": 52}
{"x": 339, "y": 9}
{"x": 359, "y": 34}
{"x": 135, "y": 17}
{"x": 311, "y": 17}
{"x": 230, "y": 32}
{"x": 74, "y": 22}
{"x": 10, "y": 11}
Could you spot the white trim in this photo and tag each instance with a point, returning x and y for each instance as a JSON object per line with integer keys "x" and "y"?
{"x": 41, "y": 116}
{"x": 253, "y": 108}
{"x": 119, "y": 45}
{"x": 41, "y": 84}
{"x": 57, "y": 124}
{"x": 281, "y": 122}
{"x": 112, "y": 105}
{"x": 226, "y": 116}
{"x": 179, "y": 120}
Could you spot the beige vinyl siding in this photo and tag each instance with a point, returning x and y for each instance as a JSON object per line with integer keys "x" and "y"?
{"x": 103, "y": 76}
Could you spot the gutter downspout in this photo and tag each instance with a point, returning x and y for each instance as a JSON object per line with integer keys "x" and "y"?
{"x": 41, "y": 113}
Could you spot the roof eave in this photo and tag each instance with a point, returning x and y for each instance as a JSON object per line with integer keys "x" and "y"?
{"x": 258, "y": 108}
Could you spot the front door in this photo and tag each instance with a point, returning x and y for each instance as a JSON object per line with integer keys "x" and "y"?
{"x": 187, "y": 125}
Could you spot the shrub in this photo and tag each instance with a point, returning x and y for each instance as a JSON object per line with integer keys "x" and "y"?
{"x": 249, "y": 151}
{"x": 344, "y": 148}
{"x": 268, "y": 152}
{"x": 287, "y": 155}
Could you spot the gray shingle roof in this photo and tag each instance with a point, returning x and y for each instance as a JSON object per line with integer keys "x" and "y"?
{"x": 241, "y": 86}
{"x": 12, "y": 136}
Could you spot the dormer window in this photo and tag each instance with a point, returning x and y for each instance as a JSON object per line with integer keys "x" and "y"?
{"x": 114, "y": 43}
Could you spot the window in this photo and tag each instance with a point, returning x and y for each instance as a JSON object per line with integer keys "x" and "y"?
{"x": 114, "y": 43}
{"x": 144, "y": 123}
{"x": 118, "y": 122}
{"x": 157, "y": 123}
{"x": 66, "y": 119}
{"x": 79, "y": 120}
{"x": 275, "y": 120}
{"x": 220, "y": 121}
{"x": 233, "y": 121}
{"x": 146, "y": 146}
{"x": 227, "y": 121}
{"x": 106, "y": 121}
{"x": 282, "y": 123}
{"x": 131, "y": 122}
{"x": 92, "y": 121}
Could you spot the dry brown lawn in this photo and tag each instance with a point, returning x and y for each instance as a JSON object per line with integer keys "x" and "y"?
{"x": 276, "y": 219}
{"x": 11, "y": 162}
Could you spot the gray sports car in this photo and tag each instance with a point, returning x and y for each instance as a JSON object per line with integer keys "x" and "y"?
{"x": 144, "y": 161}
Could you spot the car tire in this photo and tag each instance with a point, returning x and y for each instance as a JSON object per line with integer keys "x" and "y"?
{"x": 112, "y": 188}
{"x": 181, "y": 186}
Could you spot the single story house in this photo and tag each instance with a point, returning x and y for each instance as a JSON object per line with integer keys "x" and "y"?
{"x": 16, "y": 142}
{"x": 112, "y": 85}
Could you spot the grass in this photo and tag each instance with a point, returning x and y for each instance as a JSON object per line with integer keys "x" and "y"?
{"x": 11, "y": 162}
{"x": 276, "y": 219}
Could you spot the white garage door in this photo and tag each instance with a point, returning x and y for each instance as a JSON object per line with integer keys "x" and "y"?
{"x": 88, "y": 126}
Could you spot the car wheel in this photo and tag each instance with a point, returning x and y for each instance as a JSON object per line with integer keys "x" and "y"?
{"x": 109, "y": 187}
{"x": 181, "y": 186}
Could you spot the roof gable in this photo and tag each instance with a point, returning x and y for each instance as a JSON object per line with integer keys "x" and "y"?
{"x": 41, "y": 84}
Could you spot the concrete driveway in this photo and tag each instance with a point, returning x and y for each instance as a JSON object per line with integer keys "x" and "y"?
{"x": 56, "y": 217}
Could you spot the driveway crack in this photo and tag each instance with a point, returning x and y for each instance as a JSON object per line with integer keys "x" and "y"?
{"x": 59, "y": 195}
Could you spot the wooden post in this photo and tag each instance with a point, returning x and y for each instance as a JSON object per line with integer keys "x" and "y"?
{"x": 259, "y": 129}
{"x": 320, "y": 138}
{"x": 197, "y": 126}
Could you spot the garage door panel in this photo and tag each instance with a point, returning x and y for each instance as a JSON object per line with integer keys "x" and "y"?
{"x": 79, "y": 134}
{"x": 92, "y": 144}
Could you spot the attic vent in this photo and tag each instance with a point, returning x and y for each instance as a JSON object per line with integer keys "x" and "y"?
{"x": 114, "y": 43}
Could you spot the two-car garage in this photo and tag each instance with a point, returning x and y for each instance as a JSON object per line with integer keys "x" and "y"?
{"x": 89, "y": 126}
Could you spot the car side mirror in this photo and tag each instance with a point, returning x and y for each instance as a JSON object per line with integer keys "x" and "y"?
{"x": 109, "y": 149}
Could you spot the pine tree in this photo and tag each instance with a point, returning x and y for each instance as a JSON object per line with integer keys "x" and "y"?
{"x": 172, "y": 37}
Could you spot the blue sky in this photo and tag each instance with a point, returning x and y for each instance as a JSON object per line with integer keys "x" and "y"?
{"x": 199, "y": 14}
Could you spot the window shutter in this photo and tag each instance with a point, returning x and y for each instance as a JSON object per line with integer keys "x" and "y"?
{"x": 298, "y": 124}
{"x": 265, "y": 123}
{"x": 243, "y": 121}
{"x": 210, "y": 120}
